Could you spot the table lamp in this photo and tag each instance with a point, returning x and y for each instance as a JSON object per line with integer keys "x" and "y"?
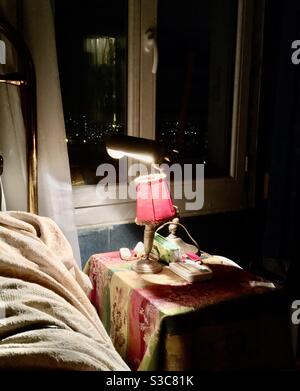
{"x": 153, "y": 200}
{"x": 153, "y": 206}
{"x": 144, "y": 150}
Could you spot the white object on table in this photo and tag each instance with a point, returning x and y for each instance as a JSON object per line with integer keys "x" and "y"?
{"x": 218, "y": 259}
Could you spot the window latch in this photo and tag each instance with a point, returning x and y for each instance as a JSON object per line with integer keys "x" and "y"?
{"x": 151, "y": 45}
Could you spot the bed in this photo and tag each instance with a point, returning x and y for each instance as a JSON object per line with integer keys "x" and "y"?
{"x": 46, "y": 318}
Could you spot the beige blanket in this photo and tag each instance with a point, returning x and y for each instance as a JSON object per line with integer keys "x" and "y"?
{"x": 46, "y": 318}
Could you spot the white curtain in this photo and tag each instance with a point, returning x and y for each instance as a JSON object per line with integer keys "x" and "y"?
{"x": 3, "y": 203}
{"x": 54, "y": 182}
{"x": 12, "y": 132}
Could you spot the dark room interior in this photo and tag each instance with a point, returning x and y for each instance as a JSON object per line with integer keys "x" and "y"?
{"x": 139, "y": 138}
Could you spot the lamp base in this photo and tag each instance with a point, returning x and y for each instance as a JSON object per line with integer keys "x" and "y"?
{"x": 147, "y": 265}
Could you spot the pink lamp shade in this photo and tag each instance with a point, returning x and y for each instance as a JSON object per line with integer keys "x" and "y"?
{"x": 153, "y": 200}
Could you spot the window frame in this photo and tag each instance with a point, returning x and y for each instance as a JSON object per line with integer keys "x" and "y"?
{"x": 222, "y": 194}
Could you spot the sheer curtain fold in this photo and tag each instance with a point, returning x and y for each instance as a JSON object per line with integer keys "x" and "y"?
{"x": 55, "y": 190}
{"x": 2, "y": 203}
{"x": 12, "y": 132}
{"x": 54, "y": 182}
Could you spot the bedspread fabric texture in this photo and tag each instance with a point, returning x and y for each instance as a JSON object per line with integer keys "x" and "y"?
{"x": 46, "y": 318}
{"x": 161, "y": 322}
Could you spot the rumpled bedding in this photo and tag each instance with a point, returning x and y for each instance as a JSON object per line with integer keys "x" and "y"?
{"x": 46, "y": 318}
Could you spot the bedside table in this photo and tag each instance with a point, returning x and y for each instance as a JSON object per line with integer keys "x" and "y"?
{"x": 162, "y": 322}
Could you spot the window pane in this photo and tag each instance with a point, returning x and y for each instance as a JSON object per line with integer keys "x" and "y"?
{"x": 92, "y": 52}
{"x": 196, "y": 43}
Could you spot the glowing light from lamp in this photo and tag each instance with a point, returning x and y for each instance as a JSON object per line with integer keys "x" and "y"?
{"x": 115, "y": 154}
{"x": 13, "y": 82}
{"x": 154, "y": 202}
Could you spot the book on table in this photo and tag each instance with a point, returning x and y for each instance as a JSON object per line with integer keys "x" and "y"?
{"x": 191, "y": 273}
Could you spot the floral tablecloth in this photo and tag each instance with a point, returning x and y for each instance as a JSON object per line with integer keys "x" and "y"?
{"x": 161, "y": 322}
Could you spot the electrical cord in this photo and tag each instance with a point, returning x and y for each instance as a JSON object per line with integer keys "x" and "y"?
{"x": 187, "y": 232}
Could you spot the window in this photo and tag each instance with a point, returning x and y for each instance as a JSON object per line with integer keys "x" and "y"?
{"x": 91, "y": 42}
{"x": 198, "y": 101}
{"x": 195, "y": 79}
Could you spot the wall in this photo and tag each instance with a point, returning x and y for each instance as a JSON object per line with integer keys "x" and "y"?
{"x": 279, "y": 142}
{"x": 225, "y": 234}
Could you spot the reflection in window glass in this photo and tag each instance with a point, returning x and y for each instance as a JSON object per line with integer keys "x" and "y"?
{"x": 196, "y": 43}
{"x": 91, "y": 40}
